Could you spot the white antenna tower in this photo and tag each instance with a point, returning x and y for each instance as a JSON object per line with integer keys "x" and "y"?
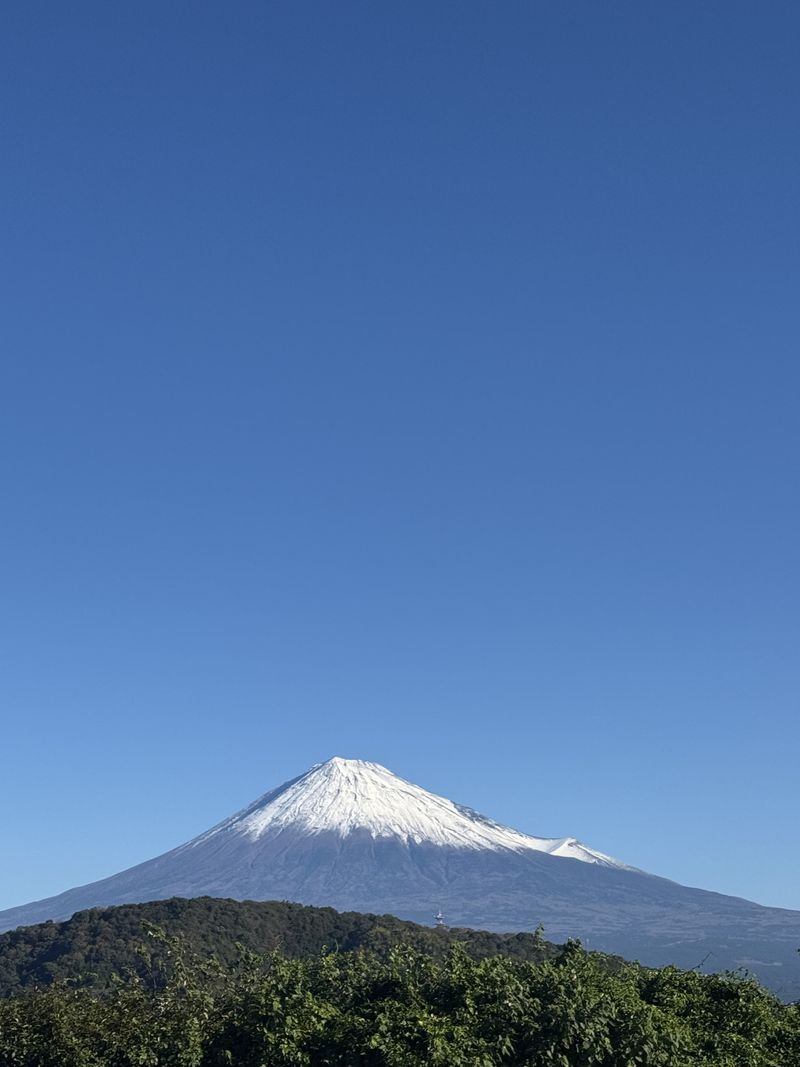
{"x": 439, "y": 918}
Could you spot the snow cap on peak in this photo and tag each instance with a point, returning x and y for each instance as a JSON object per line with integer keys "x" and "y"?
{"x": 342, "y": 762}
{"x": 344, "y": 796}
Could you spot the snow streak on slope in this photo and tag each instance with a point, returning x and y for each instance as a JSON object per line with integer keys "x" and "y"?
{"x": 344, "y": 796}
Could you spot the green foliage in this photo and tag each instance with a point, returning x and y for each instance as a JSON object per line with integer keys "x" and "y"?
{"x": 407, "y": 1008}
{"x": 94, "y": 945}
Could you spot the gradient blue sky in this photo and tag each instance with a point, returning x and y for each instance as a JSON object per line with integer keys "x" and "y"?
{"x": 411, "y": 382}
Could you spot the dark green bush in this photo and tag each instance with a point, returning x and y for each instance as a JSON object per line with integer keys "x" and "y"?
{"x": 405, "y": 1009}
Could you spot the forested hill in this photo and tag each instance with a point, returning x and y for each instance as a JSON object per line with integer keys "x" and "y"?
{"x": 91, "y": 946}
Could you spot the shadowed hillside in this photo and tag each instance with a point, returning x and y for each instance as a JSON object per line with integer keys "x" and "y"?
{"x": 91, "y": 946}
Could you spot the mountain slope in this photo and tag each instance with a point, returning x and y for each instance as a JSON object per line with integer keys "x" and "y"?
{"x": 351, "y": 835}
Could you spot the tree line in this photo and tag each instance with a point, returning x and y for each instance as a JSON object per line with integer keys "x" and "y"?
{"x": 94, "y": 945}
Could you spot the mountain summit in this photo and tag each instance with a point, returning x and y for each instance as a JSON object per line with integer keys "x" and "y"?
{"x": 345, "y": 796}
{"x": 352, "y": 835}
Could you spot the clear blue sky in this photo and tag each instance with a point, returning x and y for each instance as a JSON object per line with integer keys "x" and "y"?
{"x": 414, "y": 382}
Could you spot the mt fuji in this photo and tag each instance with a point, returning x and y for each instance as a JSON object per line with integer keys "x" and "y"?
{"x": 345, "y": 797}
{"x": 352, "y": 835}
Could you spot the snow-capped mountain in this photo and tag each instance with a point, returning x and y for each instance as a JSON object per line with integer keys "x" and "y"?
{"x": 343, "y": 796}
{"x": 352, "y": 835}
